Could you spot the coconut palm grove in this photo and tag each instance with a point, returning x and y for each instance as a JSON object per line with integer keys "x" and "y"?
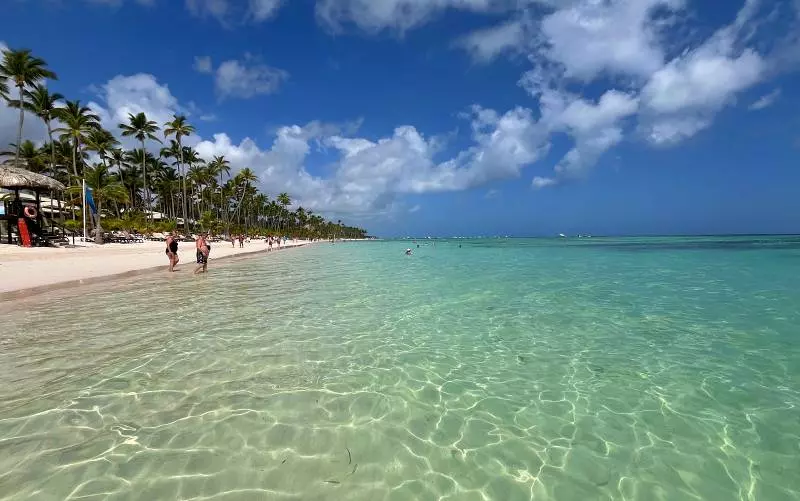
{"x": 154, "y": 187}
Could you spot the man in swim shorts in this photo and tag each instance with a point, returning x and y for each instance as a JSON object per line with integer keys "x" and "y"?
{"x": 203, "y": 250}
{"x": 172, "y": 251}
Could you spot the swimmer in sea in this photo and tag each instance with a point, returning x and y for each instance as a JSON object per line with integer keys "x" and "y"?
{"x": 408, "y": 252}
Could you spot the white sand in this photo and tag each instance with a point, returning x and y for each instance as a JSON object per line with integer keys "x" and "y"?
{"x": 27, "y": 268}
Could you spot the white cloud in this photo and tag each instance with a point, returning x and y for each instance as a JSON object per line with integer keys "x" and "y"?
{"x": 203, "y": 64}
{"x": 619, "y": 50}
{"x": 414, "y": 209}
{"x": 234, "y": 12}
{"x": 682, "y": 97}
{"x": 543, "y": 182}
{"x": 218, "y": 9}
{"x": 140, "y": 93}
{"x": 369, "y": 175}
{"x": 247, "y": 78}
{"x": 116, "y": 3}
{"x": 622, "y": 42}
{"x": 261, "y": 10}
{"x": 485, "y": 45}
{"x": 766, "y": 100}
{"x": 397, "y": 15}
{"x": 595, "y": 128}
{"x": 701, "y": 80}
{"x": 582, "y": 117}
{"x": 505, "y": 144}
{"x": 589, "y": 37}
{"x": 667, "y": 131}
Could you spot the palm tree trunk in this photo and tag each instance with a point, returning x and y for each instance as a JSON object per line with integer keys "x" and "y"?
{"x": 183, "y": 188}
{"x": 19, "y": 129}
{"x": 74, "y": 171}
{"x": 98, "y": 236}
{"x": 144, "y": 177}
{"x": 53, "y": 170}
{"x": 75, "y": 159}
{"x": 121, "y": 180}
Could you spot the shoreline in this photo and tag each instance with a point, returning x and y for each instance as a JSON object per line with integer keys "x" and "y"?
{"x": 26, "y": 272}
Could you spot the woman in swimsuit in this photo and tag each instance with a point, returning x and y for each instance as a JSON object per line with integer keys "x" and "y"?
{"x": 203, "y": 250}
{"x": 172, "y": 251}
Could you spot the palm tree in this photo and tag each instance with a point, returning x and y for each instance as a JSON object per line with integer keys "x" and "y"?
{"x": 196, "y": 177}
{"x": 302, "y": 216}
{"x": 78, "y": 122}
{"x": 243, "y": 181}
{"x": 180, "y": 128}
{"x": 260, "y": 203}
{"x": 192, "y": 160}
{"x": 43, "y": 104}
{"x": 141, "y": 128}
{"x": 284, "y": 200}
{"x": 24, "y": 70}
{"x": 103, "y": 142}
{"x": 166, "y": 182}
{"x": 63, "y": 148}
{"x": 30, "y": 154}
{"x": 105, "y": 188}
{"x": 3, "y": 88}
{"x": 217, "y": 167}
{"x": 117, "y": 156}
{"x": 136, "y": 159}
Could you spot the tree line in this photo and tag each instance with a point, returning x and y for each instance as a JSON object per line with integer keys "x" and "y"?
{"x": 131, "y": 186}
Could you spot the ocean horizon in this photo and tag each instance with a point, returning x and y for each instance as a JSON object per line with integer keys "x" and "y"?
{"x": 603, "y": 368}
{"x": 591, "y": 235}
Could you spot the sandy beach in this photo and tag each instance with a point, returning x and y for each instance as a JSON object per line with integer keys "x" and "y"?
{"x": 28, "y": 269}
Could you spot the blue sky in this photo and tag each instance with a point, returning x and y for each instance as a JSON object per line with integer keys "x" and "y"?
{"x": 460, "y": 117}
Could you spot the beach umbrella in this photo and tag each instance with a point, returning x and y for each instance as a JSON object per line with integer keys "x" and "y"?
{"x": 17, "y": 177}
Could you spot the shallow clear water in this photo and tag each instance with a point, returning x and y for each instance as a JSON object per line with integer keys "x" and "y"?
{"x": 626, "y": 369}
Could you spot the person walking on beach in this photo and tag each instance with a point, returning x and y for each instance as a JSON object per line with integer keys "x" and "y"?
{"x": 241, "y": 241}
{"x": 203, "y": 250}
{"x": 172, "y": 251}
{"x": 233, "y": 241}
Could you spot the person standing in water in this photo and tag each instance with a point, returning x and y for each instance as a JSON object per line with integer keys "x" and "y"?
{"x": 172, "y": 251}
{"x": 203, "y": 250}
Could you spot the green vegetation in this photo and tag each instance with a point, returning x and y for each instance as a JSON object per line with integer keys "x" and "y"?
{"x": 137, "y": 190}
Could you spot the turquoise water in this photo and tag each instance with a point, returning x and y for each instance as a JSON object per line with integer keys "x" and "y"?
{"x": 627, "y": 369}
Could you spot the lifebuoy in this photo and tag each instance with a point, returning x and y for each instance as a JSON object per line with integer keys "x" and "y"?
{"x": 30, "y": 211}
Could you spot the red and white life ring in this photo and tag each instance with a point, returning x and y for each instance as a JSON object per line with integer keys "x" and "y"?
{"x": 30, "y": 211}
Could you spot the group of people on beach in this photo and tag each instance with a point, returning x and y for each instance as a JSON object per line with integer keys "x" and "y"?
{"x": 202, "y": 247}
{"x": 271, "y": 240}
{"x": 240, "y": 238}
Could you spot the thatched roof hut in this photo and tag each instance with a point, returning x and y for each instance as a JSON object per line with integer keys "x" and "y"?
{"x": 19, "y": 178}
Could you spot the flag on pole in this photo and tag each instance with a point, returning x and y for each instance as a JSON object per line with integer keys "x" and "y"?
{"x": 90, "y": 200}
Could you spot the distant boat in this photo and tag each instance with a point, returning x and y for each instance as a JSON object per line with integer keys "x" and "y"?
{"x": 562, "y": 235}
